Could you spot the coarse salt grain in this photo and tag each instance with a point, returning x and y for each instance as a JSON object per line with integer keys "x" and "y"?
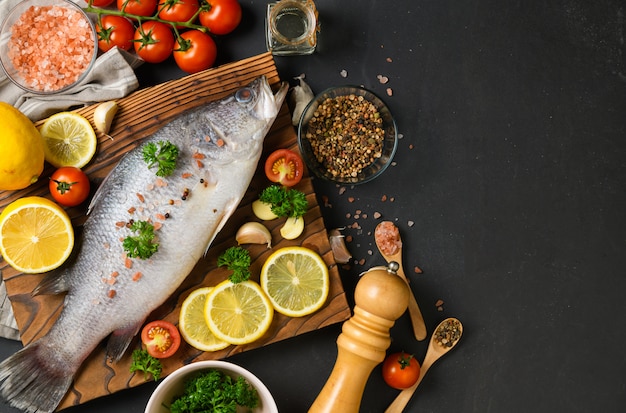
{"x": 50, "y": 47}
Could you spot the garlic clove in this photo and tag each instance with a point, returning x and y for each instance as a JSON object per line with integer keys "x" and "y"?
{"x": 293, "y": 227}
{"x": 253, "y": 233}
{"x": 263, "y": 210}
{"x": 103, "y": 116}
{"x": 338, "y": 247}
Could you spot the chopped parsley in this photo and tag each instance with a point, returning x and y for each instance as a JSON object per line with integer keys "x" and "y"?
{"x": 141, "y": 245}
{"x": 163, "y": 155}
{"x": 237, "y": 260}
{"x": 285, "y": 202}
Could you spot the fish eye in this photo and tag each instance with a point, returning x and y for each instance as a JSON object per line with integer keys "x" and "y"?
{"x": 244, "y": 95}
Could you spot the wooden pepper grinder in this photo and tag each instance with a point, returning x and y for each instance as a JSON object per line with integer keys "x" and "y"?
{"x": 381, "y": 297}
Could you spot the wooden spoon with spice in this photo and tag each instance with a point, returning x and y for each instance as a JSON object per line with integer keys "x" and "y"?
{"x": 446, "y": 336}
{"x": 387, "y": 237}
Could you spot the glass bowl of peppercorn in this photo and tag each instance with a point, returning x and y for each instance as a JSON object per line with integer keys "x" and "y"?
{"x": 347, "y": 135}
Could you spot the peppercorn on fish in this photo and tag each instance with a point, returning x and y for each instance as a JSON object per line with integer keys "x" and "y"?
{"x": 108, "y": 292}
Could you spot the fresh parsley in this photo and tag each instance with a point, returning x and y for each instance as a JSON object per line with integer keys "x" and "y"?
{"x": 285, "y": 202}
{"x": 141, "y": 245}
{"x": 163, "y": 154}
{"x": 143, "y": 361}
{"x": 214, "y": 391}
{"x": 237, "y": 260}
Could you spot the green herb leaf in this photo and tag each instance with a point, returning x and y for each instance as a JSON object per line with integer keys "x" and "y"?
{"x": 214, "y": 391}
{"x": 285, "y": 202}
{"x": 142, "y": 245}
{"x": 237, "y": 260}
{"x": 163, "y": 155}
{"x": 143, "y": 361}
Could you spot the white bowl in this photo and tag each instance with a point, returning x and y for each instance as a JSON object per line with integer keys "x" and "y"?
{"x": 173, "y": 385}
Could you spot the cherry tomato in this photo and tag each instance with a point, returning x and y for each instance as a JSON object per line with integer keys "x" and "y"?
{"x": 178, "y": 10}
{"x": 138, "y": 7}
{"x": 154, "y": 41}
{"x": 101, "y": 3}
{"x": 69, "y": 186}
{"x": 220, "y": 16}
{"x": 160, "y": 338}
{"x": 285, "y": 167}
{"x": 115, "y": 31}
{"x": 400, "y": 370}
{"x": 195, "y": 51}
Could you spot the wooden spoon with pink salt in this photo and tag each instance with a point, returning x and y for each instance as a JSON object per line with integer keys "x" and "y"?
{"x": 389, "y": 243}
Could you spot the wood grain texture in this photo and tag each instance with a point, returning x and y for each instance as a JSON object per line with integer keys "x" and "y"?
{"x": 140, "y": 114}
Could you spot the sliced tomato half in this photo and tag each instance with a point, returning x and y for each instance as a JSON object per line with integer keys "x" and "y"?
{"x": 284, "y": 166}
{"x": 160, "y": 338}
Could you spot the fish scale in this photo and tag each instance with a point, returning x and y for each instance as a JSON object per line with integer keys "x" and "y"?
{"x": 110, "y": 294}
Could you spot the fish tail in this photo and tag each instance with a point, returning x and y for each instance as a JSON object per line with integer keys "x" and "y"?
{"x": 31, "y": 381}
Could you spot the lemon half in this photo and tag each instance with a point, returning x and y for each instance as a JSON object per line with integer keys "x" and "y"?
{"x": 69, "y": 140}
{"x": 296, "y": 281}
{"x": 36, "y": 235}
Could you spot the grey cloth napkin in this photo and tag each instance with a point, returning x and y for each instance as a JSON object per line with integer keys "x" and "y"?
{"x": 112, "y": 77}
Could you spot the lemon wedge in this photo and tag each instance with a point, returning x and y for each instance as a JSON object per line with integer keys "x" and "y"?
{"x": 69, "y": 140}
{"x": 296, "y": 281}
{"x": 238, "y": 313}
{"x": 192, "y": 324}
{"x": 36, "y": 235}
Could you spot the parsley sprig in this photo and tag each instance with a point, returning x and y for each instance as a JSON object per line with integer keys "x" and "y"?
{"x": 143, "y": 361}
{"x": 237, "y": 260}
{"x": 163, "y": 154}
{"x": 285, "y": 202}
{"x": 215, "y": 391}
{"x": 141, "y": 245}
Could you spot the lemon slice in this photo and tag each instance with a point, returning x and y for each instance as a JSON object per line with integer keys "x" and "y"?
{"x": 238, "y": 313}
{"x": 192, "y": 324}
{"x": 36, "y": 235}
{"x": 296, "y": 281}
{"x": 69, "y": 140}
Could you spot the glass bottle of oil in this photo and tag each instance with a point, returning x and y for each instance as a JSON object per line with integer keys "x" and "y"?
{"x": 291, "y": 27}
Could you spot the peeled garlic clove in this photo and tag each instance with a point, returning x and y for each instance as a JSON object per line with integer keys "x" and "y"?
{"x": 263, "y": 210}
{"x": 253, "y": 233}
{"x": 293, "y": 227}
{"x": 338, "y": 246}
{"x": 103, "y": 116}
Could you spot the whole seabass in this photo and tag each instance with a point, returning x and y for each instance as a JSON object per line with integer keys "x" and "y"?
{"x": 110, "y": 294}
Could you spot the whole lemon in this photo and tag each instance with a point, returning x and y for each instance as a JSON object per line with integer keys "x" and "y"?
{"x": 21, "y": 153}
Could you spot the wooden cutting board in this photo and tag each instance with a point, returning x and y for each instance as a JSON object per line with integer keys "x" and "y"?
{"x": 140, "y": 114}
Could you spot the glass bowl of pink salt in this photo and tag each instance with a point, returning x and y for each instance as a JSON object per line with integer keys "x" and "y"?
{"x": 47, "y": 46}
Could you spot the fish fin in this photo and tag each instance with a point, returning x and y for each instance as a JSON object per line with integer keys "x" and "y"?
{"x": 52, "y": 284}
{"x": 120, "y": 339}
{"x": 231, "y": 206}
{"x": 31, "y": 382}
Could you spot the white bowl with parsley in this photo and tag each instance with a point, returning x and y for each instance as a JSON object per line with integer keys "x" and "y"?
{"x": 170, "y": 394}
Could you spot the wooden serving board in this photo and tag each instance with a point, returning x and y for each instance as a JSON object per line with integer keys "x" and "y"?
{"x": 140, "y": 114}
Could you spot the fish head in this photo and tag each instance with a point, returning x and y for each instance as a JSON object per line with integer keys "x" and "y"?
{"x": 243, "y": 119}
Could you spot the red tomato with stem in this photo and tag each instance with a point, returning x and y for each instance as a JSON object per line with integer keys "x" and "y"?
{"x": 160, "y": 338}
{"x": 178, "y": 10}
{"x": 154, "y": 41}
{"x": 195, "y": 51}
{"x": 138, "y": 7}
{"x": 401, "y": 370}
{"x": 284, "y": 166}
{"x": 115, "y": 31}
{"x": 69, "y": 186}
{"x": 220, "y": 16}
{"x": 102, "y": 3}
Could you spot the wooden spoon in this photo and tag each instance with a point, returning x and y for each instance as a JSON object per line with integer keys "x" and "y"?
{"x": 386, "y": 232}
{"x": 449, "y": 329}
